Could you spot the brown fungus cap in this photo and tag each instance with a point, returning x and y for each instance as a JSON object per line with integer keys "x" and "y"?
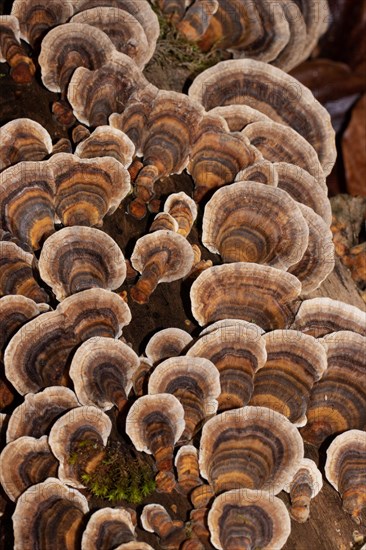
{"x": 75, "y": 427}
{"x": 164, "y": 221}
{"x": 156, "y": 519}
{"x": 22, "y": 68}
{"x": 87, "y": 189}
{"x": 35, "y": 416}
{"x": 27, "y": 197}
{"x": 134, "y": 546}
{"x": 69, "y": 46}
{"x": 23, "y": 139}
{"x": 16, "y": 273}
{"x": 306, "y": 484}
{"x": 195, "y": 381}
{"x": 239, "y": 116}
{"x": 183, "y": 209}
{"x": 294, "y": 363}
{"x": 107, "y": 528}
{"x": 77, "y": 258}
{"x": 318, "y": 260}
{"x": 338, "y": 400}
{"x": 141, "y": 376}
{"x": 237, "y": 349}
{"x": 249, "y": 448}
{"x": 261, "y": 171}
{"x": 345, "y": 469}
{"x": 124, "y": 30}
{"x": 321, "y": 316}
{"x": 197, "y": 19}
{"x": 165, "y": 343}
{"x": 160, "y": 257}
{"x": 282, "y": 98}
{"x": 49, "y": 513}
{"x": 106, "y": 141}
{"x": 25, "y": 462}
{"x": 251, "y": 222}
{"x": 255, "y": 293}
{"x": 239, "y": 520}
{"x": 102, "y": 370}
{"x": 187, "y": 467}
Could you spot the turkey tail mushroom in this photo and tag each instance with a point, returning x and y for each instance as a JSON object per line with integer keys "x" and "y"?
{"x": 108, "y": 527}
{"x": 306, "y": 484}
{"x": 166, "y": 343}
{"x": 23, "y": 139}
{"x": 106, "y": 141}
{"x": 155, "y": 519}
{"x": 22, "y": 68}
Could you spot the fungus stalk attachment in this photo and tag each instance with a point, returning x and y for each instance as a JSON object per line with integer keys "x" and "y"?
{"x": 147, "y": 283}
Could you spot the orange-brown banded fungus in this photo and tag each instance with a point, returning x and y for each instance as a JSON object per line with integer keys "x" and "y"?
{"x": 102, "y": 371}
{"x": 306, "y": 484}
{"x": 294, "y": 363}
{"x": 255, "y": 293}
{"x": 25, "y": 462}
{"x": 252, "y": 222}
{"x": 77, "y": 258}
{"x": 156, "y": 519}
{"x": 23, "y": 139}
{"x": 49, "y": 513}
{"x": 22, "y": 68}
{"x": 107, "y": 528}
{"x": 345, "y": 469}
{"x": 338, "y": 400}
{"x": 188, "y": 472}
{"x": 239, "y": 520}
{"x": 197, "y": 18}
{"x": 237, "y": 350}
{"x": 249, "y": 448}
{"x": 239, "y": 116}
{"x": 261, "y": 171}
{"x": 183, "y": 209}
{"x": 106, "y": 141}
{"x": 166, "y": 343}
{"x": 195, "y": 381}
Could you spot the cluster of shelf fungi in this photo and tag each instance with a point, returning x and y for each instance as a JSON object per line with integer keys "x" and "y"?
{"x": 225, "y": 414}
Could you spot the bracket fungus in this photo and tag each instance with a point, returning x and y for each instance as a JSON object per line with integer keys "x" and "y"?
{"x": 77, "y": 258}
{"x": 249, "y": 448}
{"x": 154, "y": 424}
{"x": 22, "y": 68}
{"x": 294, "y": 363}
{"x": 183, "y": 209}
{"x": 306, "y": 484}
{"x": 25, "y": 462}
{"x": 252, "y": 222}
{"x": 196, "y": 19}
{"x": 255, "y": 293}
{"x": 283, "y": 98}
{"x": 345, "y": 469}
{"x": 160, "y": 257}
{"x": 23, "y": 139}
{"x": 195, "y": 381}
{"x": 35, "y": 416}
{"x": 141, "y": 376}
{"x": 49, "y": 511}
{"x": 108, "y": 528}
{"x": 106, "y": 141}
{"x": 239, "y": 520}
{"x": 338, "y": 400}
{"x": 102, "y": 370}
{"x": 75, "y": 427}
{"x": 237, "y": 350}
{"x": 262, "y": 171}
{"x": 155, "y": 519}
{"x": 165, "y": 343}
{"x": 239, "y": 116}
{"x": 188, "y": 472}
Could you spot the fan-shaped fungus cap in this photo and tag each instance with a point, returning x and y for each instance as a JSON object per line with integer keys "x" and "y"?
{"x": 36, "y": 414}
{"x": 126, "y": 33}
{"x": 25, "y": 462}
{"x": 154, "y": 424}
{"x": 239, "y": 116}
{"x": 338, "y": 400}
{"x": 277, "y": 142}
{"x": 160, "y": 257}
{"x": 282, "y": 98}
{"x": 136, "y": 545}
{"x": 102, "y": 371}
{"x": 141, "y": 376}
{"x": 188, "y": 472}
{"x": 195, "y": 381}
{"x": 88, "y": 189}
{"x": 49, "y": 511}
{"x": 106, "y": 141}
{"x": 107, "y": 528}
{"x": 81, "y": 424}
{"x": 239, "y": 520}
{"x": 261, "y": 171}
{"x": 15, "y": 311}
{"x": 77, "y": 258}
{"x": 345, "y": 469}
{"x": 251, "y": 222}
{"x": 95, "y": 312}
{"x": 155, "y": 519}
{"x": 36, "y": 18}
{"x": 166, "y": 343}
{"x": 183, "y": 209}
{"x": 95, "y": 94}
{"x": 27, "y": 193}
{"x": 294, "y": 363}
{"x": 255, "y": 293}
{"x": 252, "y": 448}
{"x": 163, "y": 221}
{"x": 197, "y": 18}
{"x": 306, "y": 484}
{"x": 321, "y": 316}
{"x": 318, "y": 260}
{"x": 237, "y": 350}
{"x": 303, "y": 188}
{"x": 23, "y": 139}
{"x": 22, "y": 68}
{"x": 16, "y": 273}
{"x": 69, "y": 46}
